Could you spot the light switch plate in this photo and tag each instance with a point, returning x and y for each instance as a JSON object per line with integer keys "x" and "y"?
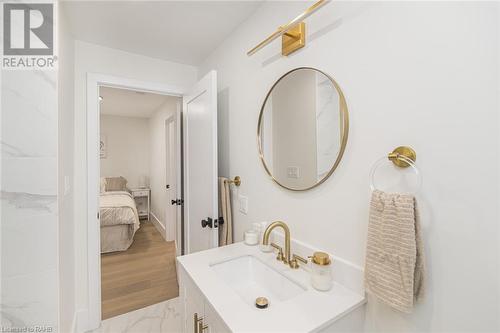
{"x": 243, "y": 201}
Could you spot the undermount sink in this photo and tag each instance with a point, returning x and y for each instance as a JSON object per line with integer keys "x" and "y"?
{"x": 250, "y": 278}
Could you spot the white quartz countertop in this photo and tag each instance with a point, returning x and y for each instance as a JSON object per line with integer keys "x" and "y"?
{"x": 309, "y": 311}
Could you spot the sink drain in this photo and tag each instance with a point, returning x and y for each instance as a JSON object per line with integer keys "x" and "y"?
{"x": 261, "y": 303}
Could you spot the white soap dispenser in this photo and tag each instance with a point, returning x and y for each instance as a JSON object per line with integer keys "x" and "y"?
{"x": 321, "y": 271}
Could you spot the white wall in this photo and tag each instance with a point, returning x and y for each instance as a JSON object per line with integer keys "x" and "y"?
{"x": 65, "y": 176}
{"x": 97, "y": 59}
{"x": 128, "y": 148}
{"x": 29, "y": 278}
{"x": 158, "y": 164}
{"x": 421, "y": 74}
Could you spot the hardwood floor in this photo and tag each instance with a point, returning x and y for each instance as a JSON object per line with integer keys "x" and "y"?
{"x": 143, "y": 275}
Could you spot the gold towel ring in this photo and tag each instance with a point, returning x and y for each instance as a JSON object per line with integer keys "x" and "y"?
{"x": 402, "y": 157}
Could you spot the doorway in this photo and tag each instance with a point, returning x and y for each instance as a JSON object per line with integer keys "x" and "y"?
{"x": 199, "y": 105}
{"x": 137, "y": 239}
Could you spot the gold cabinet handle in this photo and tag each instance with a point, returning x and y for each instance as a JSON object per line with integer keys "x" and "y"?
{"x": 197, "y": 321}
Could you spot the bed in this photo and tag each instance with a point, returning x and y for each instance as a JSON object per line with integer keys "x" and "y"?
{"x": 119, "y": 220}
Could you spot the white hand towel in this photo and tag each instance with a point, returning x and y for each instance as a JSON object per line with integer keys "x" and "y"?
{"x": 394, "y": 268}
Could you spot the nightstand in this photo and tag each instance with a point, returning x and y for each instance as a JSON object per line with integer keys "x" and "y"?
{"x": 142, "y": 201}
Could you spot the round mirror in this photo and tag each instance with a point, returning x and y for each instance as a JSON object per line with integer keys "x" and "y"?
{"x": 302, "y": 130}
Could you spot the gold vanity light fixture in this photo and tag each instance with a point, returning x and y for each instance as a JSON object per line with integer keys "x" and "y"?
{"x": 401, "y": 155}
{"x": 236, "y": 181}
{"x": 293, "y": 33}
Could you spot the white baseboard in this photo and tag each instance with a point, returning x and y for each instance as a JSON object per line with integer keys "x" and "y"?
{"x": 80, "y": 323}
{"x": 158, "y": 225}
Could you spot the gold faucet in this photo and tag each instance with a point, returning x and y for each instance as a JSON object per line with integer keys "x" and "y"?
{"x": 267, "y": 233}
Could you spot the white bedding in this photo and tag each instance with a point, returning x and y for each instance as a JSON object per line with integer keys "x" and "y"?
{"x": 117, "y": 213}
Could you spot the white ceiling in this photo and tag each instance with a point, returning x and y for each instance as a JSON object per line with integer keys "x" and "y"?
{"x": 130, "y": 103}
{"x": 180, "y": 31}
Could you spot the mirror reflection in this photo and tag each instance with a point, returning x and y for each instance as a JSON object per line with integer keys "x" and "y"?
{"x": 303, "y": 128}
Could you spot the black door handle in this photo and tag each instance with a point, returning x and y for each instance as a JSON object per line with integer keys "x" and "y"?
{"x": 207, "y": 223}
{"x": 179, "y": 202}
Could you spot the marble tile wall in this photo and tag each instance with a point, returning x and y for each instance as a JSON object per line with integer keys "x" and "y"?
{"x": 164, "y": 317}
{"x": 28, "y": 184}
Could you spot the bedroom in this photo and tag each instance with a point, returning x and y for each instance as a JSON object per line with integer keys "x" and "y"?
{"x": 138, "y": 221}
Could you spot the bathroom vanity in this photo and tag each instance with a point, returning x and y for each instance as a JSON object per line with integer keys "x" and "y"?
{"x": 219, "y": 288}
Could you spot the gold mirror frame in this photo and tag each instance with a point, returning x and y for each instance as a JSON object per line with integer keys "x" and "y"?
{"x": 344, "y": 133}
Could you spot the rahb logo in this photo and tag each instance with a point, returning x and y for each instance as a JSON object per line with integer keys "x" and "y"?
{"x": 28, "y": 36}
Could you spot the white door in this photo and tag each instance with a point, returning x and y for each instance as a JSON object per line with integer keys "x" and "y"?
{"x": 171, "y": 179}
{"x": 200, "y": 165}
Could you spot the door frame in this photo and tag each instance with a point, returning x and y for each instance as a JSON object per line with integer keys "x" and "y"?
{"x": 94, "y": 81}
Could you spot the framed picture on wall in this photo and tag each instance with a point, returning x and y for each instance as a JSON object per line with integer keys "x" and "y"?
{"x": 103, "y": 145}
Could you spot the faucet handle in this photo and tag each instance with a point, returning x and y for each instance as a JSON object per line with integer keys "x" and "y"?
{"x": 280, "y": 256}
{"x": 294, "y": 264}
